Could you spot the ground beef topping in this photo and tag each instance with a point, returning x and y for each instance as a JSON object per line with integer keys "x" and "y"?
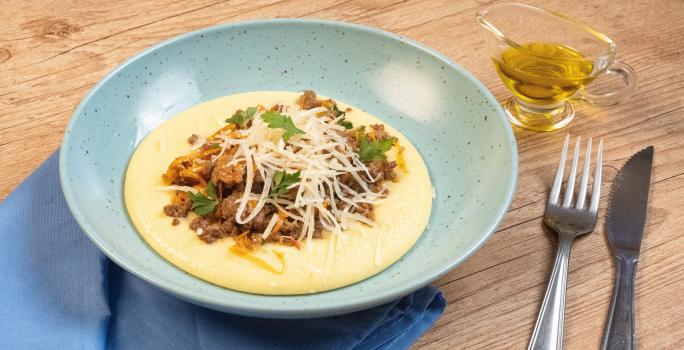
{"x": 193, "y": 139}
{"x": 227, "y": 173}
{"x": 272, "y": 198}
{"x": 308, "y": 100}
{"x": 180, "y": 207}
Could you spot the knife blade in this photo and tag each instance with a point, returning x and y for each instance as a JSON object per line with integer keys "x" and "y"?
{"x": 625, "y": 226}
{"x": 629, "y": 198}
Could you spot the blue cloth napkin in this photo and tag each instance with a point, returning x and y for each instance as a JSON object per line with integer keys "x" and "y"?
{"x": 57, "y": 291}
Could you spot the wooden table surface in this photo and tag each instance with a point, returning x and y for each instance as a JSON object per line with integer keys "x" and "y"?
{"x": 53, "y": 52}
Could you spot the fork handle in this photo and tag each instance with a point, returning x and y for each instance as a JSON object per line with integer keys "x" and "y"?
{"x": 619, "y": 332}
{"x": 548, "y": 332}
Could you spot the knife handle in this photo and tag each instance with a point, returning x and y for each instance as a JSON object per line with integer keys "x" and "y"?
{"x": 619, "y": 332}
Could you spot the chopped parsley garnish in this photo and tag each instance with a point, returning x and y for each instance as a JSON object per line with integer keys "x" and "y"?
{"x": 240, "y": 119}
{"x": 276, "y": 120}
{"x": 201, "y": 204}
{"x": 345, "y": 123}
{"x": 338, "y": 111}
{"x": 281, "y": 181}
{"x": 374, "y": 150}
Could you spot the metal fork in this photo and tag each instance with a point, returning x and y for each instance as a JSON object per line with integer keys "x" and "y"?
{"x": 569, "y": 222}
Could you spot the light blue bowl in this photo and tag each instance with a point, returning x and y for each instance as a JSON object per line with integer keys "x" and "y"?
{"x": 451, "y": 118}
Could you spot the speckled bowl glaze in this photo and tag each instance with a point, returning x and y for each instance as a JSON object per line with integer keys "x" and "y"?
{"x": 451, "y": 118}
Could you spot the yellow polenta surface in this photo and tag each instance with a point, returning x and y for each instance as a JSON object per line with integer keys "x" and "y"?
{"x": 328, "y": 263}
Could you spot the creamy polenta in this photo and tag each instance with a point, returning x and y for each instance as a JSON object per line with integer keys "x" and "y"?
{"x": 335, "y": 260}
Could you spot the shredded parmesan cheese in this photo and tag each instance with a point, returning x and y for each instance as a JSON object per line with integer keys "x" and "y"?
{"x": 321, "y": 155}
{"x": 178, "y": 188}
{"x": 269, "y": 228}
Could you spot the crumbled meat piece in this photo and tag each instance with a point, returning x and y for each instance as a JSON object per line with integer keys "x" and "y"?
{"x": 257, "y": 182}
{"x": 382, "y": 170}
{"x": 290, "y": 228}
{"x": 212, "y": 227}
{"x": 308, "y": 100}
{"x": 261, "y": 220}
{"x": 365, "y": 209}
{"x": 350, "y": 138}
{"x": 277, "y": 108}
{"x": 350, "y": 181}
{"x": 192, "y": 139}
{"x": 377, "y": 187}
{"x": 257, "y": 178}
{"x": 230, "y": 175}
{"x": 185, "y": 181}
{"x": 229, "y": 206}
{"x": 175, "y": 210}
{"x": 180, "y": 207}
{"x": 208, "y": 238}
{"x": 207, "y": 168}
{"x": 230, "y": 227}
{"x": 318, "y": 231}
{"x": 175, "y": 222}
{"x": 199, "y": 222}
{"x": 379, "y": 131}
{"x": 213, "y": 232}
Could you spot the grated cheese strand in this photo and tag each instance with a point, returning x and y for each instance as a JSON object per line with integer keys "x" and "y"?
{"x": 269, "y": 228}
{"x": 178, "y": 188}
{"x": 321, "y": 155}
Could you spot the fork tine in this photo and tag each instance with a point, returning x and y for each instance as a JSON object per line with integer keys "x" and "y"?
{"x": 596, "y": 190}
{"x": 570, "y": 188}
{"x": 585, "y": 178}
{"x": 555, "y": 189}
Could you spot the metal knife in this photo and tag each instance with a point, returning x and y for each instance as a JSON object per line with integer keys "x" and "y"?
{"x": 625, "y": 226}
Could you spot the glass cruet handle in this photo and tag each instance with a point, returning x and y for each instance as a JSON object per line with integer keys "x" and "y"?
{"x": 622, "y": 70}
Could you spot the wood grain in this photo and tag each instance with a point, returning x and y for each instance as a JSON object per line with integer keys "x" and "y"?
{"x": 53, "y": 52}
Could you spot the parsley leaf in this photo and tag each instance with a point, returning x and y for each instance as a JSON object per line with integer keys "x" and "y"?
{"x": 338, "y": 112}
{"x": 281, "y": 182}
{"x": 276, "y": 120}
{"x": 211, "y": 189}
{"x": 240, "y": 119}
{"x": 201, "y": 204}
{"x": 345, "y": 123}
{"x": 374, "y": 150}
